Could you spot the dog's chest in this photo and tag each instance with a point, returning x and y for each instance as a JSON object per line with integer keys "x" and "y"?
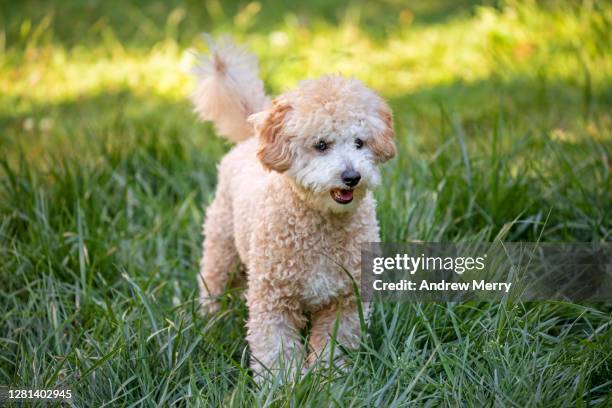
{"x": 325, "y": 282}
{"x": 326, "y": 278}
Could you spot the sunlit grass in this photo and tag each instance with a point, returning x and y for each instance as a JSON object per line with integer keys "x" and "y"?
{"x": 519, "y": 40}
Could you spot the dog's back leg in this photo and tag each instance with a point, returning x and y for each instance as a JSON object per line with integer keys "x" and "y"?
{"x": 219, "y": 256}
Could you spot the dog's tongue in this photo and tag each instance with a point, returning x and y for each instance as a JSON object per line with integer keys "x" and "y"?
{"x": 345, "y": 195}
{"x": 342, "y": 196}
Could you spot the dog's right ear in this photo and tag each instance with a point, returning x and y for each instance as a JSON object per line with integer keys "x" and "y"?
{"x": 274, "y": 152}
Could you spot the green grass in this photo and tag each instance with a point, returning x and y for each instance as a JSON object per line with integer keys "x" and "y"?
{"x": 504, "y": 131}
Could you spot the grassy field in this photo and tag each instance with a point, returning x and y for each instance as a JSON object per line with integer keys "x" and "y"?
{"x": 503, "y": 119}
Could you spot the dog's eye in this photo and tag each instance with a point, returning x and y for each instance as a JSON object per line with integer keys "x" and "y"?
{"x": 321, "y": 146}
{"x": 358, "y": 143}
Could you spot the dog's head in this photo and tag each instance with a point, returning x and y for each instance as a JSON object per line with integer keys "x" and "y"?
{"x": 329, "y": 135}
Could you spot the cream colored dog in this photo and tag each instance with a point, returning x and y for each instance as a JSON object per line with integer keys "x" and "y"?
{"x": 293, "y": 203}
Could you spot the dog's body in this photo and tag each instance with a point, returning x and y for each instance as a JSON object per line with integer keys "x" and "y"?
{"x": 282, "y": 207}
{"x": 293, "y": 256}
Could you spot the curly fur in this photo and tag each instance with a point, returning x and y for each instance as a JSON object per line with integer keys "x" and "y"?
{"x": 273, "y": 210}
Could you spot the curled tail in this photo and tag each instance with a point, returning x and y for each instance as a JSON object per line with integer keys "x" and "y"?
{"x": 228, "y": 89}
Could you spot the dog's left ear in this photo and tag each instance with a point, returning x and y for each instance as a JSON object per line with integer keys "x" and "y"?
{"x": 383, "y": 143}
{"x": 274, "y": 152}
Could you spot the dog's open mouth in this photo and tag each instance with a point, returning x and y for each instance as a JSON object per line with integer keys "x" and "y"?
{"x": 341, "y": 195}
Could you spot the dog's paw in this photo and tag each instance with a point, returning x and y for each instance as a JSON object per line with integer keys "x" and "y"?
{"x": 209, "y": 306}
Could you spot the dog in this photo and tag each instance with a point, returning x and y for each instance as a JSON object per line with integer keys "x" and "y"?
{"x": 293, "y": 203}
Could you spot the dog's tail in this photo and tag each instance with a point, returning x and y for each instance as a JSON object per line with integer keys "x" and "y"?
{"x": 228, "y": 89}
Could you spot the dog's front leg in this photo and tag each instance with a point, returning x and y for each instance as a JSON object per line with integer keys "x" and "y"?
{"x": 274, "y": 326}
{"x": 339, "y": 318}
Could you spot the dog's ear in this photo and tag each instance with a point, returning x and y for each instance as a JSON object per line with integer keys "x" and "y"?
{"x": 383, "y": 143}
{"x": 274, "y": 152}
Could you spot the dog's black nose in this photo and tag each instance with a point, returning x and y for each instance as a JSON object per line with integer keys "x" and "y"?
{"x": 350, "y": 177}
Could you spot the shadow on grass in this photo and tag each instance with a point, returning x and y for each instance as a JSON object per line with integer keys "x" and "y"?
{"x": 480, "y": 156}
{"x": 122, "y": 120}
{"x": 520, "y": 95}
